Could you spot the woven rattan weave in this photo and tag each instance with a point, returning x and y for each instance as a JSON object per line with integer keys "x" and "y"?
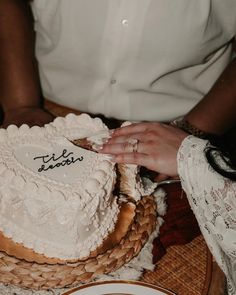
{"x": 45, "y": 276}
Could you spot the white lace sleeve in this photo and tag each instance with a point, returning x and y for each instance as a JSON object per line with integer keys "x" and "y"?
{"x": 213, "y": 201}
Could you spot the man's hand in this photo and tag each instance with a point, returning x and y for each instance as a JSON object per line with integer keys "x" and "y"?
{"x": 27, "y": 115}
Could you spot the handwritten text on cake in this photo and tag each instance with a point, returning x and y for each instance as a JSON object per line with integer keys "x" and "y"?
{"x": 65, "y": 158}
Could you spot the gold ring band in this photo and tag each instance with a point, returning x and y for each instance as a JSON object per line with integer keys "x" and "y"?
{"x": 133, "y": 142}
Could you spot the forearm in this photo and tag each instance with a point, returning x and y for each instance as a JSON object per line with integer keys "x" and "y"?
{"x": 216, "y": 112}
{"x": 211, "y": 197}
{"x": 19, "y": 83}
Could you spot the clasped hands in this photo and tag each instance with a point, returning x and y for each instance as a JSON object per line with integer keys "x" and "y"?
{"x": 152, "y": 145}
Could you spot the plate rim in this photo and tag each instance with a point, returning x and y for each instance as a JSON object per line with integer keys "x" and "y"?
{"x": 130, "y": 282}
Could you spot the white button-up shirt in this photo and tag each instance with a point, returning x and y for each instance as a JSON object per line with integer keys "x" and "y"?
{"x": 132, "y": 59}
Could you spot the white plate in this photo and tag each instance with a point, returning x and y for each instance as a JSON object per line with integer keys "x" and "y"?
{"x": 119, "y": 288}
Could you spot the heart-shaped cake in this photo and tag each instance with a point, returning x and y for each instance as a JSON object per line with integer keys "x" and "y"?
{"x": 57, "y": 200}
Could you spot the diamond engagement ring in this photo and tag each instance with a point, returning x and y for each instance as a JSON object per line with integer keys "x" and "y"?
{"x": 133, "y": 142}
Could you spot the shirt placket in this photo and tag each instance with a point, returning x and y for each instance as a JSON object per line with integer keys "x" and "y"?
{"x": 120, "y": 44}
{"x": 120, "y": 25}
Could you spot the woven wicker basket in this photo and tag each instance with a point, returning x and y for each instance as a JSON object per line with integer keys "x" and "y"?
{"x": 44, "y": 276}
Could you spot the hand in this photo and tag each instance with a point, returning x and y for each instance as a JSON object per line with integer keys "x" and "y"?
{"x": 156, "y": 147}
{"x": 27, "y": 115}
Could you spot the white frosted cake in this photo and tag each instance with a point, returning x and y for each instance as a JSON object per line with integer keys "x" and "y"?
{"x": 57, "y": 199}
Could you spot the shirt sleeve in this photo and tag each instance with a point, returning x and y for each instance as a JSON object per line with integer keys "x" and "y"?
{"x": 213, "y": 201}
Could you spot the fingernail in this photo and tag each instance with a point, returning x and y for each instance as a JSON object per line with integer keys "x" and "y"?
{"x": 109, "y": 157}
{"x": 100, "y": 140}
{"x": 97, "y": 147}
{"x": 105, "y": 139}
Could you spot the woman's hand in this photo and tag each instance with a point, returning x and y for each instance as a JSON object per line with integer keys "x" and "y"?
{"x": 27, "y": 115}
{"x": 152, "y": 145}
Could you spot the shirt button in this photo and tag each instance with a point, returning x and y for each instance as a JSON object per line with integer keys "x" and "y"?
{"x": 125, "y": 22}
{"x": 113, "y": 81}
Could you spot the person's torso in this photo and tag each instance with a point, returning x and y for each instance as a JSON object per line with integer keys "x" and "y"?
{"x": 132, "y": 59}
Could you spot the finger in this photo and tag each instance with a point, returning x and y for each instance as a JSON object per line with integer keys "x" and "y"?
{"x": 130, "y": 129}
{"x": 117, "y": 148}
{"x": 125, "y": 138}
{"x": 134, "y": 158}
{"x": 125, "y": 147}
{"x": 161, "y": 177}
{"x": 142, "y": 132}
